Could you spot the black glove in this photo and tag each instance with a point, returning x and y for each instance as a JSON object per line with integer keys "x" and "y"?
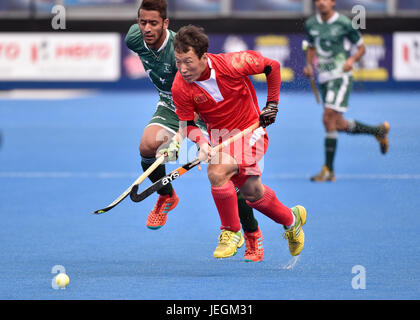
{"x": 268, "y": 114}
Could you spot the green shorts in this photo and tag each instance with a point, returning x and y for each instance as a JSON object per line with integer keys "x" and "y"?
{"x": 167, "y": 118}
{"x": 335, "y": 93}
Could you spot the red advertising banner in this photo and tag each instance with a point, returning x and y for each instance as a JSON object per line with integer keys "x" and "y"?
{"x": 59, "y": 57}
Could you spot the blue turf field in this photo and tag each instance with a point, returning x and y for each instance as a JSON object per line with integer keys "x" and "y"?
{"x": 62, "y": 159}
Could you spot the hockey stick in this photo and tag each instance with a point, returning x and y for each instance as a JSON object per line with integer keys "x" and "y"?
{"x": 162, "y": 181}
{"x": 185, "y": 168}
{"x": 315, "y": 90}
{"x": 311, "y": 79}
{"x": 135, "y": 184}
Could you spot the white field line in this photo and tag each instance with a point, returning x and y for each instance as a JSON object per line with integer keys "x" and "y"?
{"x": 118, "y": 175}
{"x": 44, "y": 94}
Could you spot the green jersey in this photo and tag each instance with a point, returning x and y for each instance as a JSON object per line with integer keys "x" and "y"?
{"x": 159, "y": 64}
{"x": 332, "y": 41}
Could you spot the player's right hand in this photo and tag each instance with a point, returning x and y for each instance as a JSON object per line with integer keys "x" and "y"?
{"x": 268, "y": 114}
{"x": 204, "y": 152}
{"x": 171, "y": 151}
{"x": 308, "y": 71}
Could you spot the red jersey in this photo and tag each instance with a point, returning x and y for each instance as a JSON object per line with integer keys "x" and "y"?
{"x": 227, "y": 99}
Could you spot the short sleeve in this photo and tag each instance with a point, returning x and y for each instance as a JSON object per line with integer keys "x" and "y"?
{"x": 353, "y": 34}
{"x": 309, "y": 37}
{"x": 133, "y": 38}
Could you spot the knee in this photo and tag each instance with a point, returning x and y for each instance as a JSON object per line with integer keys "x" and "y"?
{"x": 342, "y": 125}
{"x": 252, "y": 197}
{"x": 153, "y": 137}
{"x": 147, "y": 148}
{"x": 252, "y": 192}
{"x": 216, "y": 179}
{"x": 329, "y": 120}
{"x": 217, "y": 175}
{"x": 326, "y": 117}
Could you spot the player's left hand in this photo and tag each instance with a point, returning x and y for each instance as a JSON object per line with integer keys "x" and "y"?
{"x": 268, "y": 114}
{"x": 348, "y": 65}
{"x": 171, "y": 152}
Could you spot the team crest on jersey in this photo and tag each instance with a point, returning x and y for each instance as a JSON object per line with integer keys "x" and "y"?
{"x": 239, "y": 59}
{"x": 334, "y": 31}
{"x": 201, "y": 98}
{"x": 167, "y": 68}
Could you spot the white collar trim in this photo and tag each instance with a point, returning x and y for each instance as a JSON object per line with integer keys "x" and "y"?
{"x": 333, "y": 18}
{"x": 163, "y": 44}
{"x": 211, "y": 86}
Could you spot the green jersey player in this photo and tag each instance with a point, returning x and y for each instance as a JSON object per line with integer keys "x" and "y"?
{"x": 151, "y": 39}
{"x": 330, "y": 36}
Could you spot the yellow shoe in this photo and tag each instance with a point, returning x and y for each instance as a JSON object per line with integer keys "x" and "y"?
{"x": 324, "y": 175}
{"x": 383, "y": 137}
{"x": 295, "y": 234}
{"x": 229, "y": 241}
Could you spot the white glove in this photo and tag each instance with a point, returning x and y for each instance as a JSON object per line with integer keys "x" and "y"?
{"x": 171, "y": 151}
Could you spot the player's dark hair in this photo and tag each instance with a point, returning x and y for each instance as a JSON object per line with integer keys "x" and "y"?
{"x": 154, "y": 5}
{"x": 191, "y": 37}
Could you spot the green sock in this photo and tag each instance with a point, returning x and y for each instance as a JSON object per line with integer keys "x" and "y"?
{"x": 356, "y": 127}
{"x": 246, "y": 215}
{"x": 158, "y": 173}
{"x": 330, "y": 147}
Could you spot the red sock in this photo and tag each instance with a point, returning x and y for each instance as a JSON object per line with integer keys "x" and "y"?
{"x": 227, "y": 206}
{"x": 272, "y": 208}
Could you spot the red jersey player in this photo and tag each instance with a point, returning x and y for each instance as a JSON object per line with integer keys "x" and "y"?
{"x": 217, "y": 88}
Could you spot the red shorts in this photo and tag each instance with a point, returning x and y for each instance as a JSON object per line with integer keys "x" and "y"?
{"x": 247, "y": 152}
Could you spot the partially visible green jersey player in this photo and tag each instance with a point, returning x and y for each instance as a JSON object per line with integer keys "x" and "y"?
{"x": 151, "y": 39}
{"x": 330, "y": 36}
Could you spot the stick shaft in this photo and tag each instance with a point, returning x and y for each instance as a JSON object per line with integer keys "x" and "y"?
{"x": 138, "y": 181}
{"x": 236, "y": 137}
{"x": 185, "y": 168}
{"x": 311, "y": 79}
{"x": 149, "y": 170}
{"x": 315, "y": 90}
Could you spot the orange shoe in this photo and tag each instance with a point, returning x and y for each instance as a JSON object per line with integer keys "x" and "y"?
{"x": 254, "y": 248}
{"x": 157, "y": 217}
{"x": 382, "y": 137}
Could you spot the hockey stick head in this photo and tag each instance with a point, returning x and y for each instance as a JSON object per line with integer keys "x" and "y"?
{"x": 133, "y": 194}
{"x": 102, "y": 210}
{"x": 138, "y": 181}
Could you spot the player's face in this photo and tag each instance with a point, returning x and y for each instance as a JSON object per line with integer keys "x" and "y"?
{"x": 189, "y": 65}
{"x": 153, "y": 27}
{"x": 324, "y": 6}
